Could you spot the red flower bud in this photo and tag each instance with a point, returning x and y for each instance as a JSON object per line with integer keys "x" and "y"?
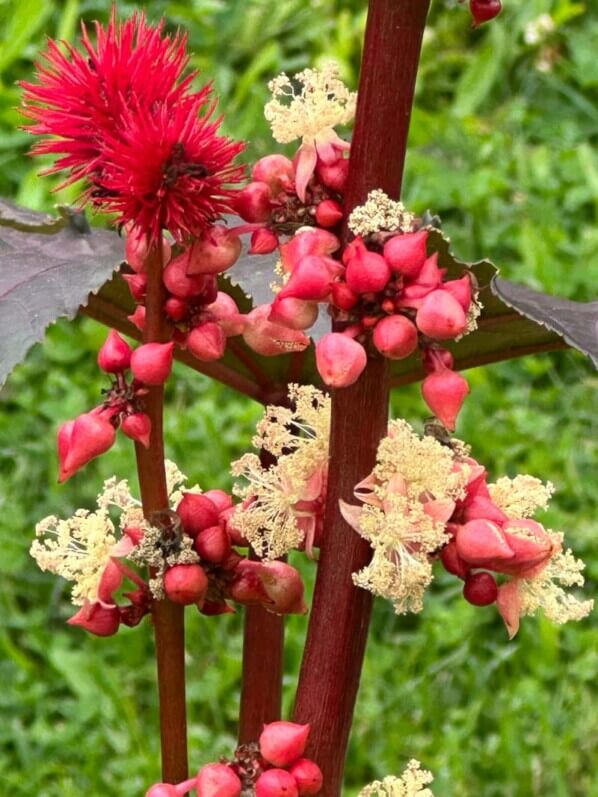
{"x": 179, "y": 283}
{"x": 293, "y": 313}
{"x": 254, "y": 202}
{"x": 270, "y": 339}
{"x": 343, "y": 297}
{"x": 281, "y": 743}
{"x": 137, "y": 250}
{"x": 151, "y": 363}
{"x": 276, "y": 171}
{"x": 138, "y": 427}
{"x": 137, "y": 285}
{"x": 185, "y": 584}
{"x": 176, "y": 309}
{"x": 97, "y": 619}
{"x": 162, "y": 790}
{"x": 218, "y": 780}
{"x": 480, "y": 507}
{"x": 263, "y": 241}
{"x": 283, "y": 587}
{"x": 276, "y": 783}
{"x": 224, "y": 310}
{"x": 461, "y": 290}
{"x": 334, "y": 175}
{"x": 207, "y": 341}
{"x": 452, "y": 561}
{"x": 138, "y": 317}
{"x": 441, "y": 316}
{"x": 310, "y": 280}
{"x": 367, "y": 272}
{"x": 444, "y": 392}
{"x": 437, "y": 360}
{"x": 308, "y": 776}
{"x": 328, "y": 213}
{"x": 313, "y": 241}
{"x": 217, "y": 250}
{"x": 197, "y": 513}
{"x": 480, "y": 589}
{"x": 115, "y": 355}
{"x": 484, "y": 10}
{"x": 219, "y": 498}
{"x": 406, "y": 254}
{"x": 395, "y": 337}
{"x": 90, "y": 436}
{"x": 340, "y": 360}
{"x": 480, "y": 542}
{"x": 213, "y": 544}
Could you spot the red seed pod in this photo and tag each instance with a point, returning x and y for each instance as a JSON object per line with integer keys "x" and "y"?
{"x": 310, "y": 280}
{"x": 311, "y": 241}
{"x": 224, "y": 310}
{"x": 90, "y": 435}
{"x": 308, "y": 777}
{"x": 395, "y": 337}
{"x": 263, "y": 242}
{"x": 484, "y": 10}
{"x": 328, "y": 213}
{"x": 97, "y": 619}
{"x": 441, "y": 316}
{"x": 176, "y": 309}
{"x": 480, "y": 507}
{"x": 137, "y": 250}
{"x": 138, "y": 317}
{"x": 207, "y": 341}
{"x": 406, "y": 254}
{"x": 270, "y": 339}
{"x": 461, "y": 290}
{"x": 367, "y": 272}
{"x": 219, "y": 498}
{"x": 115, "y": 354}
{"x": 283, "y": 586}
{"x": 480, "y": 589}
{"x": 218, "y": 780}
{"x": 213, "y": 544}
{"x": 137, "y": 285}
{"x": 151, "y": 363}
{"x": 276, "y": 783}
{"x": 216, "y": 250}
{"x": 276, "y": 171}
{"x": 343, "y": 297}
{"x": 340, "y": 360}
{"x": 254, "y": 202}
{"x": 138, "y": 426}
{"x": 430, "y": 275}
{"x": 452, "y": 561}
{"x": 179, "y": 283}
{"x": 197, "y": 513}
{"x": 444, "y": 392}
{"x": 185, "y": 584}
{"x": 334, "y": 175}
{"x": 480, "y": 542}
{"x": 293, "y": 313}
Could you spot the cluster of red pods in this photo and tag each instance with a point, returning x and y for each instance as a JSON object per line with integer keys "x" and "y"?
{"x": 273, "y": 767}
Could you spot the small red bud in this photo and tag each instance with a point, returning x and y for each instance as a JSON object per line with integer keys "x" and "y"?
{"x": 484, "y": 10}
{"x": 197, "y": 513}
{"x": 461, "y": 290}
{"x": 185, "y": 584}
{"x": 276, "y": 783}
{"x": 218, "y": 780}
{"x": 162, "y": 790}
{"x": 308, "y": 777}
{"x": 367, "y": 272}
{"x": 138, "y": 427}
{"x": 452, "y": 561}
{"x": 276, "y": 171}
{"x": 480, "y": 589}
{"x": 217, "y": 250}
{"x": 263, "y": 242}
{"x": 254, "y": 202}
{"x": 219, "y": 498}
{"x": 406, "y": 254}
{"x": 334, "y": 175}
{"x": 137, "y": 285}
{"x": 115, "y": 355}
{"x": 213, "y": 544}
{"x": 178, "y": 282}
{"x": 270, "y": 339}
{"x": 138, "y": 317}
{"x": 176, "y": 309}
{"x": 97, "y": 619}
{"x": 441, "y": 316}
{"x": 340, "y": 360}
{"x": 151, "y": 363}
{"x": 444, "y": 392}
{"x": 283, "y": 586}
{"x": 207, "y": 341}
{"x": 437, "y": 360}
{"x": 294, "y": 313}
{"x": 480, "y": 542}
{"x": 90, "y": 436}
{"x": 328, "y": 213}
{"x": 310, "y": 280}
{"x": 395, "y": 337}
{"x": 282, "y": 742}
{"x": 343, "y": 297}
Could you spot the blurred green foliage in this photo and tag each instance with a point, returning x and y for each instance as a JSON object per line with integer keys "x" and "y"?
{"x": 502, "y": 147}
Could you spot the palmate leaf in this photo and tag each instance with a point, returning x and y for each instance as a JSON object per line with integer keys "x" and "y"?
{"x": 49, "y": 266}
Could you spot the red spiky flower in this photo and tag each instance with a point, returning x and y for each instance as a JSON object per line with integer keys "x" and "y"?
{"x": 123, "y": 116}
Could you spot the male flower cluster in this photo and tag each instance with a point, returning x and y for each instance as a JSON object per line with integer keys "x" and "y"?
{"x": 412, "y": 783}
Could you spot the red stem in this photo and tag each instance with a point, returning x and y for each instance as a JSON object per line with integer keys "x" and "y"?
{"x": 340, "y": 613}
{"x": 169, "y": 628}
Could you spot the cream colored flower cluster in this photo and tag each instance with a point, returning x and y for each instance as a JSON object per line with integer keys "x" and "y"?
{"x": 380, "y": 213}
{"x": 412, "y": 783}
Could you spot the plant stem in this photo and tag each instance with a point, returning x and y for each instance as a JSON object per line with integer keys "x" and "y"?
{"x": 169, "y": 628}
{"x": 340, "y": 613}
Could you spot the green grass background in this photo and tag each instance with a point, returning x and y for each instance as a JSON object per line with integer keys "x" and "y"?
{"x": 503, "y": 148}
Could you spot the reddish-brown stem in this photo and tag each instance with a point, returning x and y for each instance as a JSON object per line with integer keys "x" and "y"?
{"x": 169, "y": 628}
{"x": 340, "y": 613}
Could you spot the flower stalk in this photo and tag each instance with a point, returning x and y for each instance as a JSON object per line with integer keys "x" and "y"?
{"x": 340, "y": 614}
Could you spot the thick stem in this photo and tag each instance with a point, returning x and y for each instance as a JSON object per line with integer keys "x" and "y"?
{"x": 169, "y": 628}
{"x": 340, "y": 613}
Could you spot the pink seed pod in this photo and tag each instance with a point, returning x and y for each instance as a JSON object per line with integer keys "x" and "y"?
{"x": 224, "y": 310}
{"x": 276, "y": 783}
{"x": 480, "y": 507}
{"x": 90, "y": 436}
{"x": 176, "y": 309}
{"x": 308, "y": 776}
{"x": 138, "y": 317}
{"x": 263, "y": 241}
{"x": 484, "y": 10}
{"x": 328, "y": 213}
{"x": 343, "y": 297}
{"x": 151, "y": 363}
{"x": 334, "y": 175}
{"x": 246, "y": 586}
{"x": 207, "y": 341}
{"x": 217, "y": 249}
{"x": 217, "y": 780}
{"x": 137, "y": 285}
{"x": 444, "y": 392}
{"x": 219, "y": 498}
{"x": 283, "y": 586}
{"x": 213, "y": 544}
{"x": 452, "y": 561}
{"x": 480, "y": 589}
{"x": 340, "y": 360}
{"x": 254, "y": 202}
{"x": 395, "y": 337}
{"x": 293, "y": 313}
{"x": 480, "y": 542}
{"x": 441, "y": 316}
{"x": 97, "y": 619}
{"x": 406, "y": 254}
{"x": 162, "y": 790}
{"x": 137, "y": 250}
{"x": 115, "y": 354}
{"x": 532, "y": 549}
{"x": 197, "y": 513}
{"x": 138, "y": 427}
{"x": 310, "y": 280}
{"x": 308, "y": 241}
{"x": 430, "y": 275}
{"x": 178, "y": 282}
{"x": 185, "y": 584}
{"x": 461, "y": 290}
{"x": 270, "y": 339}
{"x": 276, "y": 171}
{"x": 367, "y": 272}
